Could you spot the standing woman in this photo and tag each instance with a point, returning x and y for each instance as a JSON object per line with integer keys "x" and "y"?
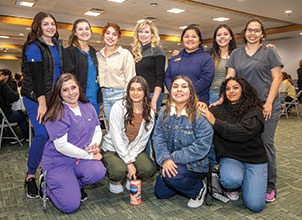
{"x": 261, "y": 67}
{"x": 41, "y": 57}
{"x": 116, "y": 67}
{"x": 224, "y": 43}
{"x": 80, "y": 59}
{"x": 194, "y": 63}
{"x": 131, "y": 123}
{"x": 182, "y": 139}
{"x": 149, "y": 60}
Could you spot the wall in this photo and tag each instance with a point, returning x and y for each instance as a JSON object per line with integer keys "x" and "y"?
{"x": 12, "y": 65}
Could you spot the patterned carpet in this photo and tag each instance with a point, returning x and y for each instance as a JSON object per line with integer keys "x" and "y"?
{"x": 102, "y": 204}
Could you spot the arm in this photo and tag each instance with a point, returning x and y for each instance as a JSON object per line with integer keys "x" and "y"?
{"x": 69, "y": 62}
{"x": 129, "y": 67}
{"x": 9, "y": 94}
{"x": 160, "y": 75}
{"x": 168, "y": 76}
{"x": 97, "y": 136}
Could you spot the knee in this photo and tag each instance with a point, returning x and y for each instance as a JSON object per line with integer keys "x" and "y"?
{"x": 229, "y": 181}
{"x": 117, "y": 173}
{"x": 147, "y": 172}
{"x": 255, "y": 206}
{"x": 70, "y": 207}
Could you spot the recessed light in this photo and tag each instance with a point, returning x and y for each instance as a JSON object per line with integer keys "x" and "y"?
{"x": 117, "y": 1}
{"x": 21, "y": 34}
{"x": 1, "y": 36}
{"x": 205, "y": 46}
{"x": 91, "y": 13}
{"x": 178, "y": 44}
{"x": 183, "y": 27}
{"x": 301, "y": 33}
{"x": 170, "y": 51}
{"x": 26, "y": 4}
{"x": 220, "y": 19}
{"x": 175, "y": 10}
{"x": 288, "y": 11}
{"x": 154, "y": 4}
{"x": 28, "y": 28}
{"x": 98, "y": 41}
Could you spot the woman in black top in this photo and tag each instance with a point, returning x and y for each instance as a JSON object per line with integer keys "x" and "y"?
{"x": 238, "y": 124}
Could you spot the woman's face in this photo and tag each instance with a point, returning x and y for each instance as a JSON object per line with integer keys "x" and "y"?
{"x": 83, "y": 32}
{"x": 223, "y": 37}
{"x": 70, "y": 93}
{"x": 233, "y": 91}
{"x": 145, "y": 35}
{"x": 191, "y": 41}
{"x": 136, "y": 93}
{"x": 253, "y": 33}
{"x": 111, "y": 37}
{"x": 48, "y": 26}
{"x": 180, "y": 91}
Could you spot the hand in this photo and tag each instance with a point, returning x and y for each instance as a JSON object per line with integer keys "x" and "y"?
{"x": 169, "y": 167}
{"x": 153, "y": 105}
{"x": 175, "y": 53}
{"x": 201, "y": 106}
{"x": 41, "y": 108}
{"x": 92, "y": 149}
{"x": 267, "y": 111}
{"x": 219, "y": 102}
{"x": 97, "y": 156}
{"x": 131, "y": 171}
{"x": 206, "y": 113}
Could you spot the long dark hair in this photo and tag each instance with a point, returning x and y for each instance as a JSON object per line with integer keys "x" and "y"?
{"x": 262, "y": 29}
{"x": 216, "y": 53}
{"x": 190, "y": 105}
{"x": 286, "y": 76}
{"x": 248, "y": 98}
{"x": 36, "y": 30}
{"x": 55, "y": 106}
{"x": 73, "y": 39}
{"x": 197, "y": 31}
{"x": 129, "y": 116}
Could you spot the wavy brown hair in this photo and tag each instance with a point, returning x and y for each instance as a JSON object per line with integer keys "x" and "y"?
{"x": 55, "y": 105}
{"x": 36, "y": 29}
{"x": 128, "y": 103}
{"x": 73, "y": 39}
{"x": 191, "y": 103}
{"x": 248, "y": 98}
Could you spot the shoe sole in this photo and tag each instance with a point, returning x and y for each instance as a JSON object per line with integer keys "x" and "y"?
{"x": 269, "y": 200}
{"x": 82, "y": 200}
{"x": 202, "y": 198}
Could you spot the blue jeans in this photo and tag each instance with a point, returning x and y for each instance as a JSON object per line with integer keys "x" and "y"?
{"x": 40, "y": 138}
{"x": 214, "y": 97}
{"x": 20, "y": 118}
{"x": 252, "y": 178}
{"x": 186, "y": 182}
{"x": 158, "y": 104}
{"x": 110, "y": 96}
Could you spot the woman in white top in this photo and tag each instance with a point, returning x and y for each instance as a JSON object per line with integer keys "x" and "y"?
{"x": 116, "y": 67}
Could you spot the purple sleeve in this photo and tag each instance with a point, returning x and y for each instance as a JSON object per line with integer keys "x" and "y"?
{"x": 58, "y": 128}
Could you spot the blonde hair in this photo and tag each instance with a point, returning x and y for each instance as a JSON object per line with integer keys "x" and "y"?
{"x": 136, "y": 48}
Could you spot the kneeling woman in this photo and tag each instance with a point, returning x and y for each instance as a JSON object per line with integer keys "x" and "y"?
{"x": 71, "y": 158}
{"x": 131, "y": 122}
{"x": 238, "y": 124}
{"x": 182, "y": 140}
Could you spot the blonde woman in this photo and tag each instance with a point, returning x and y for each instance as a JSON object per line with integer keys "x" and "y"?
{"x": 149, "y": 60}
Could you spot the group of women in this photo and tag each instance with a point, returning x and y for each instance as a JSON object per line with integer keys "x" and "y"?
{"x": 64, "y": 107}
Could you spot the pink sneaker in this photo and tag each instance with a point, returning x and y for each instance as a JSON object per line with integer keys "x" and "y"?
{"x": 270, "y": 197}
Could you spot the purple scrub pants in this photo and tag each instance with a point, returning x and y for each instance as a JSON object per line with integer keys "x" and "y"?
{"x": 64, "y": 183}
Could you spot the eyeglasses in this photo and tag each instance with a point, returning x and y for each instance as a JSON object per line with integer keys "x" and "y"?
{"x": 251, "y": 30}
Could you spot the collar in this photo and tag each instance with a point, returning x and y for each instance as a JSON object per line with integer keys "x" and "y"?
{"x": 118, "y": 50}
{"x": 173, "y": 110}
{"x": 148, "y": 45}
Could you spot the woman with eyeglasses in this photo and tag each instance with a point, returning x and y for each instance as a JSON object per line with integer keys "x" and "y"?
{"x": 261, "y": 67}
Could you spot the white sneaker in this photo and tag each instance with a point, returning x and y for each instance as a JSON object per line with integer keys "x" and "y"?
{"x": 116, "y": 187}
{"x": 198, "y": 201}
{"x": 127, "y": 185}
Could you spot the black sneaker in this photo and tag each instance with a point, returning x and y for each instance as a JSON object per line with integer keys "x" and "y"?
{"x": 84, "y": 195}
{"x": 31, "y": 188}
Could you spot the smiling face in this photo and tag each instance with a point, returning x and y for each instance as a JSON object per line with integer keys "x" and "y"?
{"x": 136, "y": 93}
{"x": 83, "y": 31}
{"x": 48, "y": 26}
{"x": 180, "y": 91}
{"x": 233, "y": 91}
{"x": 145, "y": 35}
{"x": 70, "y": 93}
{"x": 223, "y": 37}
{"x": 111, "y": 37}
{"x": 253, "y": 33}
{"x": 191, "y": 40}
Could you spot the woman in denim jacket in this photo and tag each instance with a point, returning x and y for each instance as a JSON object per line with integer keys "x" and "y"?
{"x": 182, "y": 140}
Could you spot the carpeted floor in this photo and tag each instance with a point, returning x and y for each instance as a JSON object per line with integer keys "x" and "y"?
{"x": 102, "y": 204}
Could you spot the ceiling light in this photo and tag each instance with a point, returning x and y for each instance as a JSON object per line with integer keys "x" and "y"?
{"x": 98, "y": 41}
{"x": 205, "y": 46}
{"x": 154, "y": 4}
{"x": 183, "y": 27}
{"x": 1, "y": 36}
{"x": 27, "y": 4}
{"x": 175, "y": 10}
{"x": 28, "y": 28}
{"x": 301, "y": 33}
{"x": 117, "y": 1}
{"x": 91, "y": 13}
{"x": 21, "y": 34}
{"x": 220, "y": 19}
{"x": 288, "y": 11}
{"x": 178, "y": 44}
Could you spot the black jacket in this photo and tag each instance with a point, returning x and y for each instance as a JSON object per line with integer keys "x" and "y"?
{"x": 7, "y": 96}
{"x": 76, "y": 62}
{"x": 32, "y": 87}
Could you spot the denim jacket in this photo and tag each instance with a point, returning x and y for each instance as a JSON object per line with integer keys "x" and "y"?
{"x": 182, "y": 141}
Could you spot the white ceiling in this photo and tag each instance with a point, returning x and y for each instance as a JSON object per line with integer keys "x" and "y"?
{"x": 198, "y": 12}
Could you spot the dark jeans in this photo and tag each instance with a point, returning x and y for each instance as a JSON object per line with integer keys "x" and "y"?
{"x": 20, "y": 118}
